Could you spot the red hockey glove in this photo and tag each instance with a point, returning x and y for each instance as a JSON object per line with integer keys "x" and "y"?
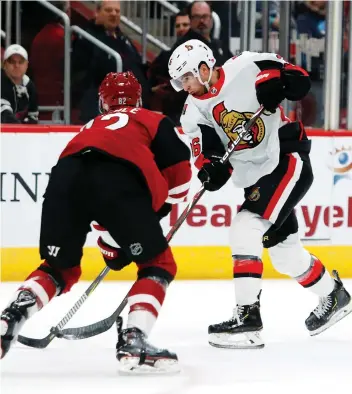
{"x": 270, "y": 89}
{"x": 115, "y": 258}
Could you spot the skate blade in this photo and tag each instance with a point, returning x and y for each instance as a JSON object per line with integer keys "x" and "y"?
{"x": 248, "y": 340}
{"x": 130, "y": 366}
{"x": 345, "y": 311}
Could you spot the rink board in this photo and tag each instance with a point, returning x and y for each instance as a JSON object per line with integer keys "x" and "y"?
{"x": 200, "y": 246}
{"x": 201, "y": 262}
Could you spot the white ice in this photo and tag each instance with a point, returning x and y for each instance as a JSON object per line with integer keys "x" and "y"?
{"x": 291, "y": 362}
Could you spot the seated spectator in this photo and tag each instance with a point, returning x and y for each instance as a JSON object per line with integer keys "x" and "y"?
{"x": 47, "y": 59}
{"x": 91, "y": 64}
{"x": 164, "y": 98}
{"x": 18, "y": 94}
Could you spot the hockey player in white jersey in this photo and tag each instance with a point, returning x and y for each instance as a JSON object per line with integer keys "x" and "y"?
{"x": 272, "y": 165}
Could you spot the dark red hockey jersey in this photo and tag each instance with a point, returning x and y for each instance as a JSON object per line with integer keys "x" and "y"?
{"x": 148, "y": 140}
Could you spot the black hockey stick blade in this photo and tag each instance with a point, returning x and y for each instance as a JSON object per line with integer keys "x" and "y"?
{"x": 37, "y": 343}
{"x": 55, "y": 331}
{"x": 92, "y": 329}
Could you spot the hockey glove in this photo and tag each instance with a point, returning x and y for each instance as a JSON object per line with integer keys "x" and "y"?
{"x": 214, "y": 174}
{"x": 270, "y": 89}
{"x": 115, "y": 258}
{"x": 296, "y": 81}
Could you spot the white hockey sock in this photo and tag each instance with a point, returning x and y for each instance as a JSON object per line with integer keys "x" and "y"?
{"x": 247, "y": 274}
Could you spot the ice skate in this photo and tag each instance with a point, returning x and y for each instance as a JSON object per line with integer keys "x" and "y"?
{"x": 13, "y": 318}
{"x": 331, "y": 308}
{"x": 242, "y": 331}
{"x": 137, "y": 356}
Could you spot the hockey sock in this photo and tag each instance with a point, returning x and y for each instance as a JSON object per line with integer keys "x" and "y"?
{"x": 247, "y": 274}
{"x": 316, "y": 278}
{"x": 145, "y": 300}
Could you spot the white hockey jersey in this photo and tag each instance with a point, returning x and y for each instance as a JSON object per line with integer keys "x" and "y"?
{"x": 228, "y": 104}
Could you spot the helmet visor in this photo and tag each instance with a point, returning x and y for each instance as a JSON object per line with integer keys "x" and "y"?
{"x": 176, "y": 84}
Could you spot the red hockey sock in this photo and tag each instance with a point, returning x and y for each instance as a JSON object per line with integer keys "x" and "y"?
{"x": 42, "y": 285}
{"x": 145, "y": 299}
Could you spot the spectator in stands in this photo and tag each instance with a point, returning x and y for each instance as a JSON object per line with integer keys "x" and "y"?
{"x": 182, "y": 23}
{"x": 47, "y": 60}
{"x": 164, "y": 98}
{"x": 274, "y": 17}
{"x": 311, "y": 22}
{"x": 18, "y": 94}
{"x": 201, "y": 24}
{"x": 91, "y": 64}
{"x": 200, "y": 14}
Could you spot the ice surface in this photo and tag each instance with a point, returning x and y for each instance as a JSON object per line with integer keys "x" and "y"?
{"x": 291, "y": 362}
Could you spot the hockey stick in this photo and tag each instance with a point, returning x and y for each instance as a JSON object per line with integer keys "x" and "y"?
{"x": 102, "y": 325}
{"x": 44, "y": 342}
{"x": 105, "y": 324}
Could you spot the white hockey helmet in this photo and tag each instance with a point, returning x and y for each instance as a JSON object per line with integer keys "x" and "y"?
{"x": 187, "y": 58}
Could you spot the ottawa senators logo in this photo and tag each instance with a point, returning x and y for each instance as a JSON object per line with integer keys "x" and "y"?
{"x": 255, "y": 194}
{"x": 230, "y": 121}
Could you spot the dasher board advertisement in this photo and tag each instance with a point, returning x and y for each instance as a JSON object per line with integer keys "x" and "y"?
{"x": 27, "y": 156}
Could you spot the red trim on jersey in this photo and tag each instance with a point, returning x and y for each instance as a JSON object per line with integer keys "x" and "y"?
{"x": 313, "y": 274}
{"x": 199, "y": 161}
{"x": 267, "y": 75}
{"x": 244, "y": 266}
{"x": 179, "y": 195}
{"x": 216, "y": 88}
{"x": 281, "y": 188}
{"x": 296, "y": 68}
{"x": 149, "y": 287}
{"x": 178, "y": 174}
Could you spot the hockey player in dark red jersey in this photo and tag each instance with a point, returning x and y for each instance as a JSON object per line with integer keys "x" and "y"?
{"x": 271, "y": 164}
{"x": 123, "y": 170}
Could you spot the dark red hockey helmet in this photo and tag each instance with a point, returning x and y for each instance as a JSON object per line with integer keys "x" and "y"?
{"x": 119, "y": 89}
